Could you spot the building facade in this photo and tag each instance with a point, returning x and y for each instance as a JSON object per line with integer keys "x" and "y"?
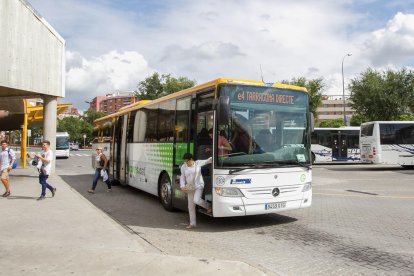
{"x": 332, "y": 107}
{"x": 111, "y": 103}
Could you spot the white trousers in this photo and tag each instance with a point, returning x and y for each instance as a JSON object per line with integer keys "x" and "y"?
{"x": 194, "y": 197}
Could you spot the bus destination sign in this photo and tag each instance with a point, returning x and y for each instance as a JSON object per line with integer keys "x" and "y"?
{"x": 267, "y": 98}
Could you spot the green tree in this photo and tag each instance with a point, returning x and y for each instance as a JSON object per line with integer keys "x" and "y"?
{"x": 332, "y": 123}
{"x": 314, "y": 87}
{"x": 76, "y": 128}
{"x": 91, "y": 115}
{"x": 385, "y": 95}
{"x": 157, "y": 85}
{"x": 357, "y": 120}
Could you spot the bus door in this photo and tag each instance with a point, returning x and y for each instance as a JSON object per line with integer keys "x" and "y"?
{"x": 122, "y": 163}
{"x": 339, "y": 147}
{"x": 120, "y": 148}
{"x": 203, "y": 142}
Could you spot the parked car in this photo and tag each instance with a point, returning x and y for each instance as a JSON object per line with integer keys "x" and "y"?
{"x": 74, "y": 146}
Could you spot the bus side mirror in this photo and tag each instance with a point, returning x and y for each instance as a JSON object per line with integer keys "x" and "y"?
{"x": 312, "y": 121}
{"x": 223, "y": 110}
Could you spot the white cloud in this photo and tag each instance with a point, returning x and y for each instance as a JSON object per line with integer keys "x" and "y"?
{"x": 207, "y": 39}
{"x": 114, "y": 71}
{"x": 393, "y": 43}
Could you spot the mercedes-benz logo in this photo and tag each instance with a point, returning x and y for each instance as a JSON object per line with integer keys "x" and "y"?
{"x": 275, "y": 192}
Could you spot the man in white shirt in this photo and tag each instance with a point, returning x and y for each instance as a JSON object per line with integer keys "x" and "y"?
{"x": 46, "y": 157}
{"x": 7, "y": 157}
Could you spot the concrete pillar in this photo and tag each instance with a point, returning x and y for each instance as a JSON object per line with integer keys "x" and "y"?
{"x": 49, "y": 124}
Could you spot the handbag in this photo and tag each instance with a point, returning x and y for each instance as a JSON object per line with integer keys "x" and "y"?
{"x": 190, "y": 187}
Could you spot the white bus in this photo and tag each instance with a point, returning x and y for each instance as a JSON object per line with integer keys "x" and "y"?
{"x": 266, "y": 171}
{"x": 335, "y": 144}
{"x": 388, "y": 142}
{"x": 62, "y": 144}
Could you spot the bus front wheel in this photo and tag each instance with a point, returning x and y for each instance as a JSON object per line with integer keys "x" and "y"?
{"x": 165, "y": 192}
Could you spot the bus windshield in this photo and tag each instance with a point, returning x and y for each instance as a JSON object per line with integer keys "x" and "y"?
{"x": 267, "y": 127}
{"x": 62, "y": 142}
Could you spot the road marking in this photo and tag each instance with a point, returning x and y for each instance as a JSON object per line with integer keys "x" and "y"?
{"x": 367, "y": 196}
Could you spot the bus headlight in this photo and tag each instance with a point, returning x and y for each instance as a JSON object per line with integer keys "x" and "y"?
{"x": 307, "y": 186}
{"x": 231, "y": 192}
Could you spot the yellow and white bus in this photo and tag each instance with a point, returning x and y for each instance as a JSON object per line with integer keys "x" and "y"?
{"x": 266, "y": 171}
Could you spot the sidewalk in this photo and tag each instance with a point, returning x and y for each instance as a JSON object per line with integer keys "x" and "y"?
{"x": 67, "y": 235}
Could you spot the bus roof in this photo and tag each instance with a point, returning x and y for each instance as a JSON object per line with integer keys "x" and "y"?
{"x": 389, "y": 122}
{"x": 212, "y": 83}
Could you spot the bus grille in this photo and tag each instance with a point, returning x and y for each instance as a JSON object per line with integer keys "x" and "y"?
{"x": 285, "y": 191}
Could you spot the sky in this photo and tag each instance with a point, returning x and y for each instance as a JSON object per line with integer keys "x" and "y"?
{"x": 112, "y": 45}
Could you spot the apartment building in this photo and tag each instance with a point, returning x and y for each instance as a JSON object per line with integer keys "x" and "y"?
{"x": 111, "y": 103}
{"x": 332, "y": 107}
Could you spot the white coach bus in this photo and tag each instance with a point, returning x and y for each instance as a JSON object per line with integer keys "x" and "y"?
{"x": 266, "y": 171}
{"x": 388, "y": 142}
{"x": 335, "y": 144}
{"x": 62, "y": 144}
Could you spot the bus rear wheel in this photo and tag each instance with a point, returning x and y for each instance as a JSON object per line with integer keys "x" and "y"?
{"x": 165, "y": 192}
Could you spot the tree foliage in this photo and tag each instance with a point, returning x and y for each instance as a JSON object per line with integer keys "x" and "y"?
{"x": 76, "y": 128}
{"x": 357, "y": 120}
{"x": 314, "y": 87}
{"x": 332, "y": 123}
{"x": 383, "y": 95}
{"x": 91, "y": 115}
{"x": 157, "y": 85}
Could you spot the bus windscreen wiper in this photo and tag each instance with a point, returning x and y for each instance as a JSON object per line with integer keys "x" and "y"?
{"x": 253, "y": 166}
{"x": 294, "y": 162}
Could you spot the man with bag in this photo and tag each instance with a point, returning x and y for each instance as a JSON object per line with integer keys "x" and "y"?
{"x": 192, "y": 183}
{"x": 7, "y": 159}
{"x": 44, "y": 161}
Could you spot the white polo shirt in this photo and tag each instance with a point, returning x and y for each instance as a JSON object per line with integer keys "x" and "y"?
{"x": 5, "y": 159}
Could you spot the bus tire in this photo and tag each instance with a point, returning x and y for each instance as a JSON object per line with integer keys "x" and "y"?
{"x": 165, "y": 192}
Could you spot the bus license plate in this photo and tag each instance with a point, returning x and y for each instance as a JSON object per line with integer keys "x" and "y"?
{"x": 275, "y": 205}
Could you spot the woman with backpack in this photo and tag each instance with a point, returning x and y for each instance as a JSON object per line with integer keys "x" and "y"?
{"x": 101, "y": 165}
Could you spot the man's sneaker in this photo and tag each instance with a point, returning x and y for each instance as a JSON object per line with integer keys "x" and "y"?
{"x": 91, "y": 191}
{"x": 41, "y": 198}
{"x": 109, "y": 190}
{"x": 6, "y": 194}
{"x": 53, "y": 192}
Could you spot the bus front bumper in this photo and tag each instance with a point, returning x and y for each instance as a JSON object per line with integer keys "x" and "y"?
{"x": 241, "y": 206}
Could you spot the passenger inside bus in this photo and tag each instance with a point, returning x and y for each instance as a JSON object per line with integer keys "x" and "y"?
{"x": 223, "y": 145}
{"x": 204, "y": 144}
{"x": 242, "y": 141}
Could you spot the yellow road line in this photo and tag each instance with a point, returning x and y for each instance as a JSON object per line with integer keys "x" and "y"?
{"x": 365, "y": 196}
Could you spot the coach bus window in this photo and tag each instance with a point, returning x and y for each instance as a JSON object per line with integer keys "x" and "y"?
{"x": 166, "y": 121}
{"x": 151, "y": 129}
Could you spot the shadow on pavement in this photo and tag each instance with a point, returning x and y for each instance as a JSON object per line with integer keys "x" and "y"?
{"x": 132, "y": 207}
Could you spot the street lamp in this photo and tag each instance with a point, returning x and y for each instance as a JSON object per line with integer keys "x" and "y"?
{"x": 343, "y": 84}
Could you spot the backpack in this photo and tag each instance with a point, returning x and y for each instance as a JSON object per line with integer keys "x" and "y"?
{"x": 15, "y": 160}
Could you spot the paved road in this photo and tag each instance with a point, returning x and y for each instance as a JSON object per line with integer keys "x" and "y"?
{"x": 361, "y": 222}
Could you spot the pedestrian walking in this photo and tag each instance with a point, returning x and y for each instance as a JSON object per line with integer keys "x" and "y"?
{"x": 46, "y": 159}
{"x": 192, "y": 183}
{"x": 7, "y": 158}
{"x": 101, "y": 165}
